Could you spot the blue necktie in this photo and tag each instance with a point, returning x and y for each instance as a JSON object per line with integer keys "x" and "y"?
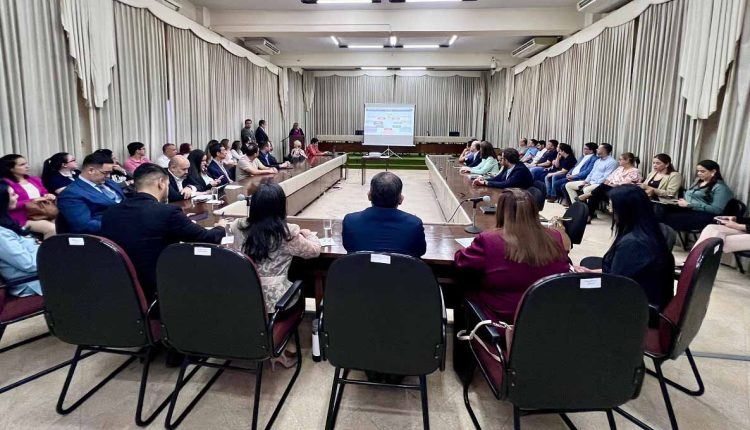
{"x": 109, "y": 193}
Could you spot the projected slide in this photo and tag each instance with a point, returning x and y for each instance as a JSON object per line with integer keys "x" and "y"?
{"x": 389, "y": 124}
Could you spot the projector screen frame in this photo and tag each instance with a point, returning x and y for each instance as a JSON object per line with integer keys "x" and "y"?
{"x": 379, "y": 142}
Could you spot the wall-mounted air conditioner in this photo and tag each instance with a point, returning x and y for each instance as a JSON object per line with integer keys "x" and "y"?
{"x": 534, "y": 46}
{"x": 261, "y": 47}
{"x": 599, "y": 6}
{"x": 172, "y": 4}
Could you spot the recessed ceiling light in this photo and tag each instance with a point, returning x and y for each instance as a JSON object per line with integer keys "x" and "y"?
{"x": 427, "y": 1}
{"x": 364, "y": 46}
{"x": 336, "y": 41}
{"x": 414, "y": 68}
{"x": 339, "y": 1}
{"x": 453, "y": 39}
{"x": 392, "y": 40}
{"x": 373, "y": 68}
{"x": 421, "y": 46}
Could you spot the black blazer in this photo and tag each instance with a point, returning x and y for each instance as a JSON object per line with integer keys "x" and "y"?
{"x": 174, "y": 192}
{"x": 260, "y": 135}
{"x": 268, "y": 160}
{"x": 519, "y": 177}
{"x": 143, "y": 227}
{"x": 384, "y": 230}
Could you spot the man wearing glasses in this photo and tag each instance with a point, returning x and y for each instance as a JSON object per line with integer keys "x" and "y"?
{"x": 82, "y": 202}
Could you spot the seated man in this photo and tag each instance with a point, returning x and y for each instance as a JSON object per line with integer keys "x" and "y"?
{"x": 540, "y": 168}
{"x": 82, "y": 202}
{"x": 383, "y": 227}
{"x": 603, "y": 166}
{"x": 267, "y": 159}
{"x": 143, "y": 226}
{"x": 178, "y": 173}
{"x": 216, "y": 169}
{"x": 514, "y": 174}
{"x": 168, "y": 150}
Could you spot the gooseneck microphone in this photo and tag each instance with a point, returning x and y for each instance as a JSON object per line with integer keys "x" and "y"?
{"x": 473, "y": 227}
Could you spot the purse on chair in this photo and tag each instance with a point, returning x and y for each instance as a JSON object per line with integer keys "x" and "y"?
{"x": 42, "y": 209}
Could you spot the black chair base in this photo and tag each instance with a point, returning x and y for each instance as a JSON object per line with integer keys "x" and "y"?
{"x": 227, "y": 365}
{"x": 341, "y": 378}
{"x": 738, "y": 258}
{"x": 664, "y": 381}
{"x": 145, "y": 354}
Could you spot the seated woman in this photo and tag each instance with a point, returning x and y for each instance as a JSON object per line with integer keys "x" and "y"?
{"x": 312, "y": 149}
{"x": 705, "y": 199}
{"x": 249, "y": 164}
{"x": 235, "y": 152}
{"x": 488, "y": 161}
{"x": 59, "y": 171}
{"x": 664, "y": 180}
{"x": 639, "y": 250}
{"x": 17, "y": 250}
{"x": 626, "y": 173}
{"x": 566, "y": 161}
{"x": 14, "y": 169}
{"x": 228, "y": 161}
{"x": 271, "y": 242}
{"x": 735, "y": 232}
{"x": 297, "y": 154}
{"x": 185, "y": 149}
{"x": 198, "y": 172}
{"x": 511, "y": 257}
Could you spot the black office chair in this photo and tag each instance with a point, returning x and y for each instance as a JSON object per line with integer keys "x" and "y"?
{"x": 578, "y": 214}
{"x": 734, "y": 208}
{"x": 92, "y": 299}
{"x": 670, "y": 237}
{"x": 538, "y": 197}
{"x": 543, "y": 190}
{"x": 571, "y": 333}
{"x": 206, "y": 314}
{"x": 382, "y": 313}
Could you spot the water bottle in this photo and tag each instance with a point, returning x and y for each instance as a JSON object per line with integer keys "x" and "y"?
{"x": 315, "y": 341}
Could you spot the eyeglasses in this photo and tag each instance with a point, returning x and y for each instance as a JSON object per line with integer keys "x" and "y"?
{"x": 104, "y": 172}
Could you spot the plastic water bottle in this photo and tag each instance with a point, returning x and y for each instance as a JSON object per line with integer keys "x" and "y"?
{"x": 315, "y": 340}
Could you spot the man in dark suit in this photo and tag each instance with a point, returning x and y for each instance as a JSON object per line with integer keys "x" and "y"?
{"x": 514, "y": 174}
{"x": 216, "y": 169}
{"x": 260, "y": 133}
{"x": 383, "y": 227}
{"x": 143, "y": 226}
{"x": 82, "y": 202}
{"x": 267, "y": 159}
{"x": 179, "y": 189}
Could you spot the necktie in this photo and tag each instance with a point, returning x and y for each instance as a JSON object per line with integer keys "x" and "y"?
{"x": 109, "y": 193}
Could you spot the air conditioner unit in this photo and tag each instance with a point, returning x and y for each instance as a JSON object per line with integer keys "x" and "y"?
{"x": 261, "y": 47}
{"x": 599, "y": 6}
{"x": 172, "y": 4}
{"x": 534, "y": 46}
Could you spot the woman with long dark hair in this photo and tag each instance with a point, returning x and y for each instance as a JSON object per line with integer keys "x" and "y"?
{"x": 198, "y": 172}
{"x": 271, "y": 242}
{"x": 639, "y": 250}
{"x": 14, "y": 169}
{"x": 704, "y": 199}
{"x": 664, "y": 180}
{"x": 59, "y": 171}
{"x": 17, "y": 249}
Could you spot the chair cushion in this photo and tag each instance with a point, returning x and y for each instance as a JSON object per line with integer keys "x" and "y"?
{"x": 18, "y": 307}
{"x": 657, "y": 342}
{"x": 286, "y": 321}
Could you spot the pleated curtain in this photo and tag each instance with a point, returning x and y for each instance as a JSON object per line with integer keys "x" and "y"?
{"x": 296, "y": 106}
{"x": 38, "y": 99}
{"x": 496, "y": 119}
{"x": 339, "y": 103}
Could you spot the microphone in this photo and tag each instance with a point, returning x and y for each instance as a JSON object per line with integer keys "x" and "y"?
{"x": 477, "y": 199}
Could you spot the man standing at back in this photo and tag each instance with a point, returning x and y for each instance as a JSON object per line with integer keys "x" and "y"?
{"x": 260, "y": 133}
{"x": 143, "y": 226}
{"x": 248, "y": 131}
{"x": 383, "y": 227}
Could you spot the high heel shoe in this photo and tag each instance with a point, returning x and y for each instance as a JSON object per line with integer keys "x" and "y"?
{"x": 284, "y": 360}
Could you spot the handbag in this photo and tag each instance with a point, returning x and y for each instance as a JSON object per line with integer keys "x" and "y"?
{"x": 38, "y": 210}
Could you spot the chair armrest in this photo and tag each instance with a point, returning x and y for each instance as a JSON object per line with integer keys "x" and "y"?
{"x": 150, "y": 317}
{"x": 495, "y": 337}
{"x": 284, "y": 300}
{"x": 653, "y": 310}
{"x": 19, "y": 281}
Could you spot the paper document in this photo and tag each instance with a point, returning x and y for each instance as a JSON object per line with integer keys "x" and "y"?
{"x": 233, "y": 187}
{"x": 465, "y": 241}
{"x": 327, "y": 241}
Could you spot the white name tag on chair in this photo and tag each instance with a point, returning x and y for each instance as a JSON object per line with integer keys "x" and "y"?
{"x": 227, "y": 240}
{"x": 199, "y": 250}
{"x": 75, "y": 241}
{"x": 380, "y": 258}
{"x": 590, "y": 283}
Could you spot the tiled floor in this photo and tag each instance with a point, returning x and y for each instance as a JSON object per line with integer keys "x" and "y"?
{"x": 726, "y": 404}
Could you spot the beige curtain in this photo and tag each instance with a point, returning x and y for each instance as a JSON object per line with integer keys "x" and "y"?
{"x": 339, "y": 101}
{"x": 296, "y": 107}
{"x": 38, "y": 100}
{"x": 497, "y": 122}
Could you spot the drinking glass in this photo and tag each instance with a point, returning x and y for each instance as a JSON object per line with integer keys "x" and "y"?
{"x": 214, "y": 193}
{"x": 328, "y": 228}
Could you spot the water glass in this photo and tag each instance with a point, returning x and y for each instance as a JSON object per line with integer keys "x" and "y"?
{"x": 214, "y": 193}
{"x": 328, "y": 228}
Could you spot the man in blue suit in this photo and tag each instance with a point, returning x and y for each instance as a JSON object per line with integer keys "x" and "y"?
{"x": 82, "y": 202}
{"x": 216, "y": 169}
{"x": 383, "y": 227}
{"x": 514, "y": 174}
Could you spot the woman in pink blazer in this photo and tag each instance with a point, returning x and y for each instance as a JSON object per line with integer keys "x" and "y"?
{"x": 14, "y": 169}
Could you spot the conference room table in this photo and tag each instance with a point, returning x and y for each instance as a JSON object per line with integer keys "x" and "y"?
{"x": 440, "y": 237}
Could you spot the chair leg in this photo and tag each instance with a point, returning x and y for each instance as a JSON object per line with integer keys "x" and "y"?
{"x": 467, "y": 383}
{"x": 22, "y": 342}
{"x": 181, "y": 381}
{"x": 516, "y": 418}
{"x": 333, "y": 402}
{"x": 291, "y": 382}
{"x": 695, "y": 393}
{"x": 568, "y": 422}
{"x": 256, "y": 397}
{"x": 423, "y": 395}
{"x": 683, "y": 241}
{"x": 139, "y": 420}
{"x": 736, "y": 258}
{"x": 74, "y": 363}
{"x": 632, "y": 419}
{"x": 665, "y": 394}
{"x": 611, "y": 420}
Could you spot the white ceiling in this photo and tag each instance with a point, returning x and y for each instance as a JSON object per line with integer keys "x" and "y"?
{"x": 298, "y": 5}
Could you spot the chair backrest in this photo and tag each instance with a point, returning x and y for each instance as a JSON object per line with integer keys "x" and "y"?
{"x": 688, "y": 307}
{"x": 735, "y": 208}
{"x": 383, "y": 312}
{"x": 453, "y": 133}
{"x": 538, "y": 197}
{"x": 211, "y": 302}
{"x": 91, "y": 292}
{"x": 578, "y": 214}
{"x": 670, "y": 236}
{"x": 543, "y": 188}
{"x": 578, "y": 343}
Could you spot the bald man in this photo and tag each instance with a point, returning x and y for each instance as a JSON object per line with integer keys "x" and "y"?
{"x": 178, "y": 171}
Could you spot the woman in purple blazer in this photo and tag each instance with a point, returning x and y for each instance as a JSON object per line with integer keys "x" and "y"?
{"x": 14, "y": 169}
{"x": 511, "y": 257}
